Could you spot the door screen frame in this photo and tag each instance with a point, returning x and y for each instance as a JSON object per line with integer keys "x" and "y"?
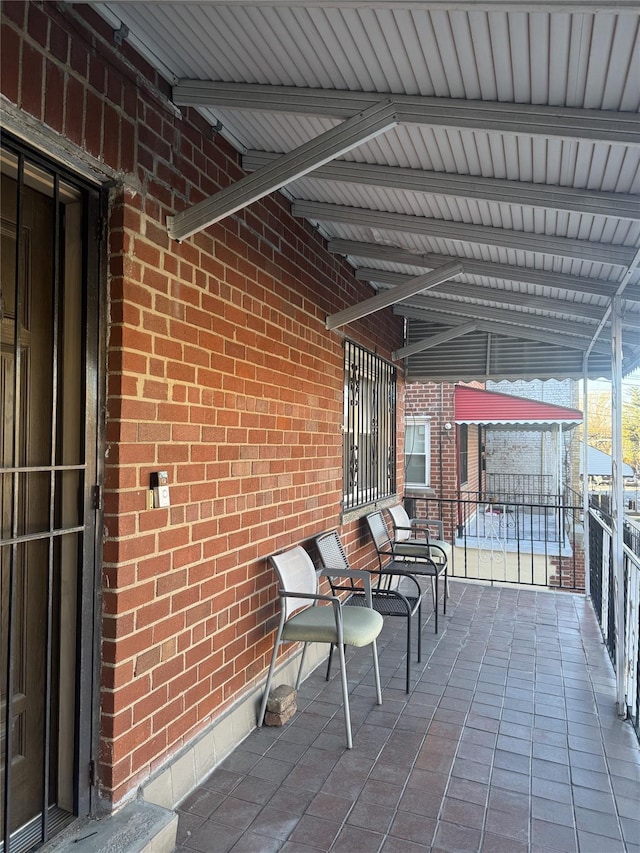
{"x": 88, "y": 530}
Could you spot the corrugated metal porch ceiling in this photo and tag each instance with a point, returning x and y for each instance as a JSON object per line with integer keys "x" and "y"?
{"x": 517, "y": 154}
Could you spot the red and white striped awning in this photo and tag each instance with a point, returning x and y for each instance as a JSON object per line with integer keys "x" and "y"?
{"x": 475, "y": 406}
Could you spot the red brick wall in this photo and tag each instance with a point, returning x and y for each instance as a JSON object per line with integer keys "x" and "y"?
{"x": 219, "y": 370}
{"x": 437, "y": 401}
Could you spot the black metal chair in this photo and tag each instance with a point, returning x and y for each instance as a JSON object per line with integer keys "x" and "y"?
{"x": 410, "y": 557}
{"x": 386, "y": 597}
{"x": 417, "y": 531}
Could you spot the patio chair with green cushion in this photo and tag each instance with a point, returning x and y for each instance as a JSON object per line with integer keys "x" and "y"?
{"x": 386, "y": 597}
{"x": 306, "y": 616}
{"x": 413, "y": 558}
{"x": 412, "y": 531}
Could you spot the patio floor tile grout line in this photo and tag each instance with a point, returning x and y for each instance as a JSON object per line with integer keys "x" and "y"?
{"x": 496, "y": 645}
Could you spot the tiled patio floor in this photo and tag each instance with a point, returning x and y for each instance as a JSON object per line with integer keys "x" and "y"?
{"x": 508, "y": 742}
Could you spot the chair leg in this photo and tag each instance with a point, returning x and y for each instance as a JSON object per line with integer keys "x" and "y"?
{"x": 272, "y": 666}
{"x": 302, "y": 657}
{"x": 446, "y": 590}
{"x": 408, "y": 652}
{"x": 376, "y": 672}
{"x": 345, "y": 695}
{"x": 446, "y": 586}
{"x": 330, "y": 658}
{"x": 435, "y": 600}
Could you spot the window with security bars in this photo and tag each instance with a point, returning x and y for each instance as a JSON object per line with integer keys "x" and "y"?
{"x": 369, "y": 462}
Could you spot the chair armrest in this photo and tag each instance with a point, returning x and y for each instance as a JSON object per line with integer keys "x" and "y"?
{"x": 394, "y": 571}
{"x": 356, "y": 574}
{"x": 398, "y": 596}
{"x": 310, "y": 595}
{"x": 412, "y": 529}
{"x": 434, "y": 547}
{"x": 425, "y": 523}
{"x": 332, "y": 599}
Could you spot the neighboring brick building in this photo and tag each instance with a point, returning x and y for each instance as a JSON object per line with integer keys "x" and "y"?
{"x": 528, "y": 452}
{"x": 208, "y": 359}
{"x": 446, "y": 458}
{"x": 453, "y": 451}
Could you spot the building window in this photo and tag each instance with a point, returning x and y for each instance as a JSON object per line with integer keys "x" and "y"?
{"x": 417, "y": 451}
{"x": 369, "y": 450}
{"x": 463, "y": 453}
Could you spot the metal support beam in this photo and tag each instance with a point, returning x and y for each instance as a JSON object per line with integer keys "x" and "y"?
{"x": 460, "y": 328}
{"x": 434, "y": 341}
{"x": 521, "y": 193}
{"x": 503, "y": 322}
{"x": 621, "y": 288}
{"x": 545, "y": 244}
{"x": 617, "y": 503}
{"x": 586, "y": 521}
{"x": 333, "y": 143}
{"x": 573, "y": 310}
{"x": 390, "y": 297}
{"x": 528, "y": 6}
{"x": 586, "y": 7}
{"x": 560, "y": 453}
{"x": 531, "y": 334}
{"x": 506, "y": 272}
{"x": 621, "y": 128}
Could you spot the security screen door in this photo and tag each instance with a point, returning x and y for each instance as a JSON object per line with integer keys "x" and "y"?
{"x": 48, "y": 474}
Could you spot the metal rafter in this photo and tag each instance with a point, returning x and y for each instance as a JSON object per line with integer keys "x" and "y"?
{"x": 434, "y": 340}
{"x": 349, "y": 134}
{"x": 573, "y": 6}
{"x": 531, "y": 119}
{"x": 503, "y": 272}
{"x": 492, "y": 294}
{"x": 497, "y": 328}
{"x": 545, "y": 244}
{"x": 621, "y": 289}
{"x": 520, "y": 325}
{"x": 521, "y": 193}
{"x": 502, "y": 329}
{"x": 414, "y": 285}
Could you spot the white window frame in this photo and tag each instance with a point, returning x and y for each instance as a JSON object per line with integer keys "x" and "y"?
{"x": 416, "y": 421}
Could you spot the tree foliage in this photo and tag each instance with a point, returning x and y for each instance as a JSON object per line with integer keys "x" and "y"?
{"x": 599, "y": 424}
{"x": 599, "y": 420}
{"x": 631, "y": 428}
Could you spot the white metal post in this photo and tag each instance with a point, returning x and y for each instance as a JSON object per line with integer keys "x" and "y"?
{"x": 617, "y": 501}
{"x": 560, "y": 461}
{"x": 585, "y": 474}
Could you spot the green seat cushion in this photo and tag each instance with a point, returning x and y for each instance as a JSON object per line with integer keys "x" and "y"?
{"x": 360, "y": 626}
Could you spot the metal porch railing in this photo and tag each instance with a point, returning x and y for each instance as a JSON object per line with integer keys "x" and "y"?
{"x": 534, "y": 488}
{"x": 603, "y": 596}
{"x": 542, "y": 544}
{"x": 509, "y": 539}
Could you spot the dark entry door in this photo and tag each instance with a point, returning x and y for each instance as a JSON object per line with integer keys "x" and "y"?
{"x": 48, "y": 473}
